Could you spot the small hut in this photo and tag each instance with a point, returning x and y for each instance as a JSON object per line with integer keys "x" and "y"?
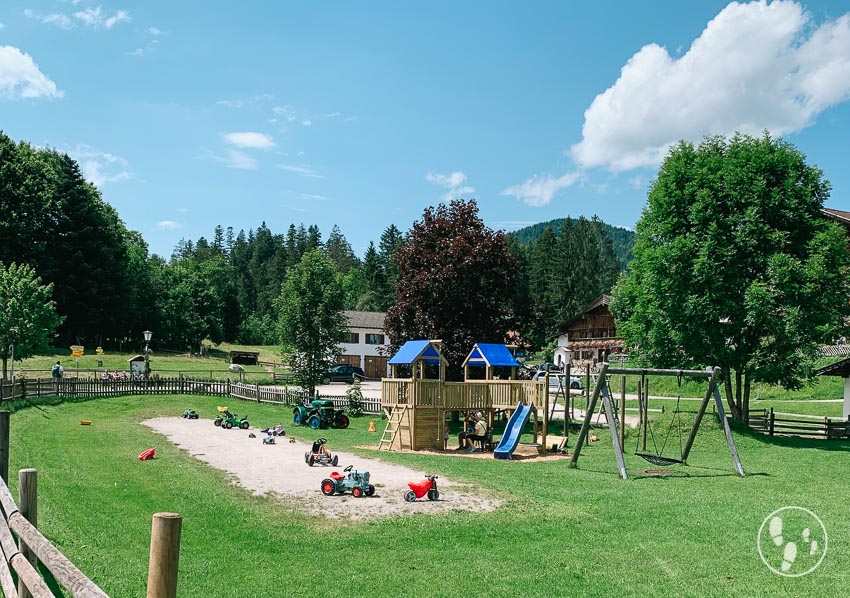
{"x": 245, "y": 357}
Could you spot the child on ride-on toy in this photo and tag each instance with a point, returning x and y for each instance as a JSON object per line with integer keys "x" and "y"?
{"x": 321, "y": 455}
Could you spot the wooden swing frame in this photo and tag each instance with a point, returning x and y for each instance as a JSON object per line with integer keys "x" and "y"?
{"x": 601, "y": 388}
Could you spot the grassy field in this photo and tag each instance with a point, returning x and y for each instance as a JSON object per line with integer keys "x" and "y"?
{"x": 213, "y": 367}
{"x": 560, "y": 531}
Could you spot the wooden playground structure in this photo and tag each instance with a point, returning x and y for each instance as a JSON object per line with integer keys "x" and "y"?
{"x": 601, "y": 388}
{"x": 418, "y": 405}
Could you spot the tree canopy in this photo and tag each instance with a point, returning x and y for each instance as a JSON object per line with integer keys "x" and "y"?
{"x": 735, "y": 266}
{"x": 311, "y": 320}
{"x": 457, "y": 282}
{"x": 28, "y": 316}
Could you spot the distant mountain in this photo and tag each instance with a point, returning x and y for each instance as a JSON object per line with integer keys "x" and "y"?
{"x": 622, "y": 239}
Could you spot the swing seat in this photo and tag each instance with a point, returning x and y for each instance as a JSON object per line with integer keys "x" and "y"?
{"x": 658, "y": 459}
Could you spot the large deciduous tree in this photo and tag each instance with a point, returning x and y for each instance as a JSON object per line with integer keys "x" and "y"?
{"x": 456, "y": 283}
{"x": 736, "y": 266}
{"x": 28, "y": 317}
{"x": 311, "y": 320}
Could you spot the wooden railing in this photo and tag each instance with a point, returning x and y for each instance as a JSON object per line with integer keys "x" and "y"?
{"x": 772, "y": 423}
{"x": 478, "y": 394}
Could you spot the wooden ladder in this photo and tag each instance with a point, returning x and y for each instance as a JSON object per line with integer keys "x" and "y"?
{"x": 393, "y": 426}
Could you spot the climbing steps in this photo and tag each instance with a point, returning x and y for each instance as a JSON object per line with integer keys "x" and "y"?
{"x": 393, "y": 426}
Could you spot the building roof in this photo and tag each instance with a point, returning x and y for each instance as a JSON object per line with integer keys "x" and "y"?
{"x": 839, "y": 215}
{"x": 413, "y": 351}
{"x": 490, "y": 354}
{"x": 365, "y": 319}
{"x": 839, "y": 368}
{"x": 601, "y": 301}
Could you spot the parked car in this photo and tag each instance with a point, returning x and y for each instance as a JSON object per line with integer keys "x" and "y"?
{"x": 343, "y": 372}
{"x": 556, "y": 378}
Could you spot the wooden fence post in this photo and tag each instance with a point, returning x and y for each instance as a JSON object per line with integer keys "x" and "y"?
{"x": 28, "y": 507}
{"x": 4, "y": 446}
{"x": 772, "y": 416}
{"x": 164, "y": 555}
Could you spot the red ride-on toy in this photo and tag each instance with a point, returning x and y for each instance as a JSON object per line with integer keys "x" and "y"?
{"x": 320, "y": 455}
{"x": 419, "y": 489}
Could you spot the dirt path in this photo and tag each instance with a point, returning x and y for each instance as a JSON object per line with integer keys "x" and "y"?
{"x": 280, "y": 469}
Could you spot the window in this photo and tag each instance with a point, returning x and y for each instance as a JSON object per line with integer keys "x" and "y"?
{"x": 374, "y": 339}
{"x": 352, "y": 337}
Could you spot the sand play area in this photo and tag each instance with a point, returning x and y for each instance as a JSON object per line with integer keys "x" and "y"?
{"x": 279, "y": 470}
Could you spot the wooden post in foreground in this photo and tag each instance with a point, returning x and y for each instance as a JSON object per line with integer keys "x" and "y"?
{"x": 4, "y": 446}
{"x": 164, "y": 555}
{"x": 28, "y": 507}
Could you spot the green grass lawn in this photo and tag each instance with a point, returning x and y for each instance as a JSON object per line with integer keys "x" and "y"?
{"x": 165, "y": 365}
{"x": 560, "y": 531}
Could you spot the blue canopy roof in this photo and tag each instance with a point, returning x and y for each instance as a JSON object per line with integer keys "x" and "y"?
{"x": 412, "y": 351}
{"x": 491, "y": 354}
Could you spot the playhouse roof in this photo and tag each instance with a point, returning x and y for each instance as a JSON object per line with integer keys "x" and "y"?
{"x": 413, "y": 351}
{"x": 490, "y": 354}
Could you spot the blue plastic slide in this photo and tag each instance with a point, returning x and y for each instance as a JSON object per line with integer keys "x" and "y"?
{"x": 510, "y": 439}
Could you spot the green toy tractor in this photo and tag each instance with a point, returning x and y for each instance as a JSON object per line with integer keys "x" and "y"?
{"x": 319, "y": 414}
{"x": 227, "y": 420}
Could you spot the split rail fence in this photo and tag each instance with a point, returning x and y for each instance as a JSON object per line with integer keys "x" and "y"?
{"x": 772, "y": 423}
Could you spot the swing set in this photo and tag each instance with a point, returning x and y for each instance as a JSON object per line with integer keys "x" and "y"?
{"x": 658, "y": 457}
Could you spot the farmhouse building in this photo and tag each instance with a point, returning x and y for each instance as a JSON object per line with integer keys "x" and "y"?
{"x": 588, "y": 337}
{"x": 365, "y": 341}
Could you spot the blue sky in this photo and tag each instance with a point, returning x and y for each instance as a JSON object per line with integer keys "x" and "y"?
{"x": 190, "y": 114}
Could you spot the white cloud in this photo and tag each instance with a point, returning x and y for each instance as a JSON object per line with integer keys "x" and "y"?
{"x": 249, "y": 139}
{"x": 303, "y": 170}
{"x": 168, "y": 225}
{"x": 101, "y": 167}
{"x": 238, "y": 160}
{"x": 540, "y": 189}
{"x": 756, "y": 66}
{"x": 137, "y": 52}
{"x": 2, "y": 26}
{"x": 21, "y": 78}
{"x": 312, "y": 197}
{"x": 285, "y": 111}
{"x": 636, "y": 182}
{"x": 92, "y": 16}
{"x": 95, "y": 17}
{"x": 306, "y": 123}
{"x": 454, "y": 182}
{"x": 58, "y": 19}
{"x": 154, "y": 31}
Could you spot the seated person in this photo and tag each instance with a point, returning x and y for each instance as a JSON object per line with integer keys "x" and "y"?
{"x": 478, "y": 432}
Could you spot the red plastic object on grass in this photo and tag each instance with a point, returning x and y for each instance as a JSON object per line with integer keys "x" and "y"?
{"x": 148, "y": 454}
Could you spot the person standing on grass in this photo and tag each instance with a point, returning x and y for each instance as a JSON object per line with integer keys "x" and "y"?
{"x": 56, "y": 371}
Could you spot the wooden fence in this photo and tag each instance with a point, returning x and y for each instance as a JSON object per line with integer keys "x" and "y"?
{"x": 90, "y": 387}
{"x": 772, "y": 423}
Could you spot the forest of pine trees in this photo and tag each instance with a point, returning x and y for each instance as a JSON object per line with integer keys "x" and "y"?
{"x": 109, "y": 287}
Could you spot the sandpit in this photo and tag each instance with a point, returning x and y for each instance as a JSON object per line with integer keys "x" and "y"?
{"x": 279, "y": 470}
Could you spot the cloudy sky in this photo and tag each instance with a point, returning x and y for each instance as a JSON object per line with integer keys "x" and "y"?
{"x": 362, "y": 115}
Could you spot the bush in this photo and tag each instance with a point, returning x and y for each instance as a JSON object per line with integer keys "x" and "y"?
{"x": 355, "y": 400}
